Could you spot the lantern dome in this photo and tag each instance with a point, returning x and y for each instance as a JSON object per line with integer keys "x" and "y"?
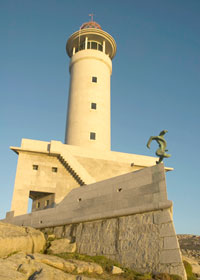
{"x": 90, "y": 24}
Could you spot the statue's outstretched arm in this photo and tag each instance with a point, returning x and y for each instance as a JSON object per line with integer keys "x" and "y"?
{"x": 149, "y": 142}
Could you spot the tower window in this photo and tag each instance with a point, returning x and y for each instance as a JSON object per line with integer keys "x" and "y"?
{"x": 94, "y": 79}
{"x": 94, "y": 45}
{"x": 46, "y": 202}
{"x": 92, "y": 135}
{"x": 100, "y": 47}
{"x": 38, "y": 205}
{"x": 54, "y": 169}
{"x": 93, "y": 106}
{"x": 35, "y": 167}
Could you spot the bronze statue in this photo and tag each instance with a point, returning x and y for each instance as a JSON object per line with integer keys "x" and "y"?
{"x": 162, "y": 145}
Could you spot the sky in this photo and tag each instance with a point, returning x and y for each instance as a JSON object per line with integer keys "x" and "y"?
{"x": 155, "y": 84}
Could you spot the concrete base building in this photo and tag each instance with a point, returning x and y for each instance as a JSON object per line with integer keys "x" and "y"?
{"x": 48, "y": 171}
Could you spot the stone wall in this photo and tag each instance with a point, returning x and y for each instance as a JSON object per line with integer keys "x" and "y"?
{"x": 144, "y": 242}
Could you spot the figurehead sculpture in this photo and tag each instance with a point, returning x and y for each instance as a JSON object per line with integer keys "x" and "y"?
{"x": 161, "y": 152}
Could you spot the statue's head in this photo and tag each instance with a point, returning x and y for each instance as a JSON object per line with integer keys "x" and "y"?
{"x": 163, "y": 132}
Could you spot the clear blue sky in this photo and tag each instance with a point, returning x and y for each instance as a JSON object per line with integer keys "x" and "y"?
{"x": 155, "y": 84}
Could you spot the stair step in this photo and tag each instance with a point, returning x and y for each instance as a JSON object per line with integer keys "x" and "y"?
{"x": 72, "y": 172}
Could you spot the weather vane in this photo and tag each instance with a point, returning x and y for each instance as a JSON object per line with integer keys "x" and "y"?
{"x": 91, "y": 15}
{"x": 162, "y": 146}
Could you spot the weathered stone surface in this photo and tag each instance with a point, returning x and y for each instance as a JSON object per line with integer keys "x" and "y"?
{"x": 190, "y": 248}
{"x": 190, "y": 245}
{"x": 144, "y": 242}
{"x": 55, "y": 262}
{"x": 62, "y": 245}
{"x": 163, "y": 217}
{"x": 89, "y": 267}
{"x": 167, "y": 229}
{"x": 133, "y": 240}
{"x": 7, "y": 272}
{"x": 68, "y": 265}
{"x": 14, "y": 239}
{"x": 194, "y": 263}
{"x": 116, "y": 270}
{"x": 173, "y": 269}
{"x": 22, "y": 266}
{"x": 141, "y": 242}
{"x": 170, "y": 242}
{"x": 170, "y": 256}
{"x": 58, "y": 232}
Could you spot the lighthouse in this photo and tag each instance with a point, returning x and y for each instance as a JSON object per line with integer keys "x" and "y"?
{"x": 47, "y": 172}
{"x": 91, "y": 51}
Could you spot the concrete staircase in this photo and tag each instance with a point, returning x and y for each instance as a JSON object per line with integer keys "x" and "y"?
{"x": 71, "y": 171}
{"x": 71, "y": 164}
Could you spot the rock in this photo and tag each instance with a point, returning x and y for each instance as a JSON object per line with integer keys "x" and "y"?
{"x": 20, "y": 239}
{"x": 116, "y": 270}
{"x": 195, "y": 265}
{"x": 55, "y": 262}
{"x": 69, "y": 265}
{"x": 51, "y": 237}
{"x": 21, "y": 266}
{"x": 7, "y": 272}
{"x": 88, "y": 267}
{"x": 62, "y": 246}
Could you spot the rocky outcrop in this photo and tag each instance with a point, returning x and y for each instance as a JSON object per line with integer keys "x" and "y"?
{"x": 37, "y": 266}
{"x": 190, "y": 245}
{"x": 20, "y": 260}
{"x": 195, "y": 265}
{"x": 20, "y": 239}
{"x": 190, "y": 248}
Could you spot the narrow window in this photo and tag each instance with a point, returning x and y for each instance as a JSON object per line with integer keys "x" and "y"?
{"x": 93, "y": 106}
{"x": 94, "y": 45}
{"x": 54, "y": 169}
{"x": 100, "y": 47}
{"x": 38, "y": 205}
{"x": 94, "y": 79}
{"x": 82, "y": 46}
{"x": 46, "y": 202}
{"x": 35, "y": 167}
{"x": 92, "y": 135}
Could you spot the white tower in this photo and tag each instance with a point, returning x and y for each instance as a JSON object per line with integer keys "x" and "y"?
{"x": 88, "y": 121}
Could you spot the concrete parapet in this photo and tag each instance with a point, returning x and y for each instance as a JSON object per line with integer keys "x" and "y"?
{"x": 132, "y": 193}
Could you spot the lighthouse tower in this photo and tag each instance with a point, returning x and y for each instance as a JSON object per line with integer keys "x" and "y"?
{"x": 88, "y": 121}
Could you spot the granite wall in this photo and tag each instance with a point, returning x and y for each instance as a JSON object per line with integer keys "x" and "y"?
{"x": 144, "y": 242}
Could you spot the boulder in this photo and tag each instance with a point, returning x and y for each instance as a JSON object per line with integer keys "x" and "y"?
{"x": 62, "y": 245}
{"x": 87, "y": 267}
{"x": 20, "y": 239}
{"x": 116, "y": 270}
